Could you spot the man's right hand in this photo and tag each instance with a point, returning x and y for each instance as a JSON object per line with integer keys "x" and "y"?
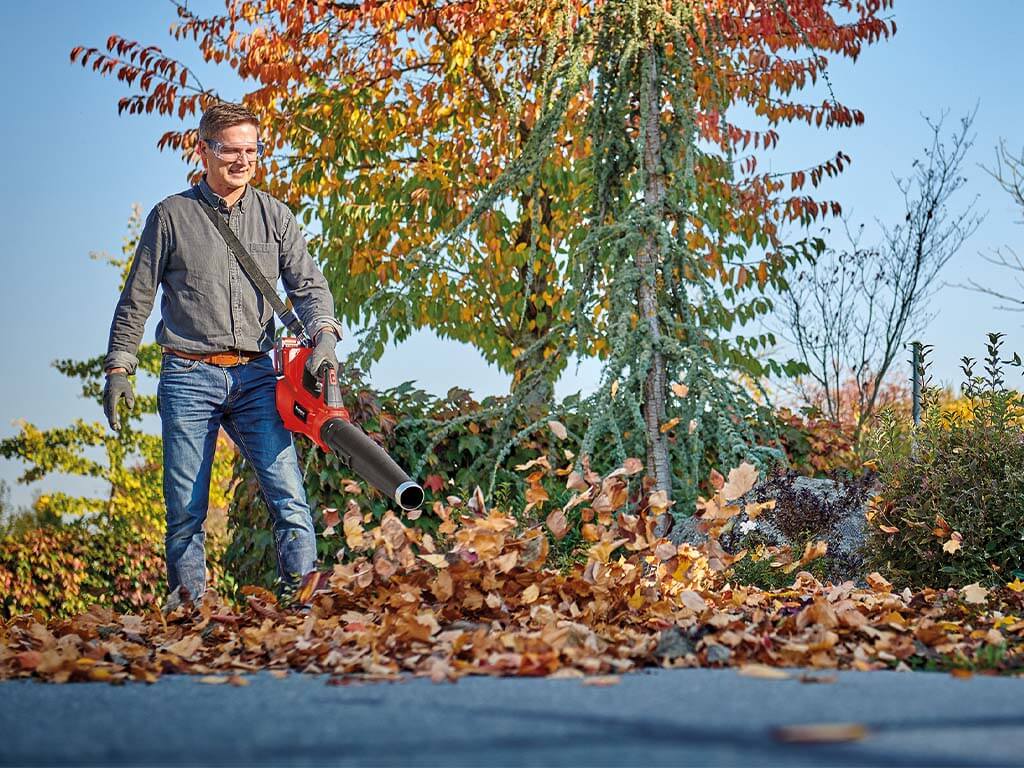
{"x": 117, "y": 386}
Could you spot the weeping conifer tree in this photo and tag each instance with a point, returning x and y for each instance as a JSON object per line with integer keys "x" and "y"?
{"x": 639, "y": 293}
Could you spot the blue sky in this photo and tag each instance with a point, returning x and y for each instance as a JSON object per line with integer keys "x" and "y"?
{"x": 74, "y": 169}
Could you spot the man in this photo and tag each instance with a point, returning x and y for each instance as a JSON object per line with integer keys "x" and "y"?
{"x": 216, "y": 329}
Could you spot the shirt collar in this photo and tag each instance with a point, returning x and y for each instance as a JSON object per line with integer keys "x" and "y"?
{"x": 217, "y": 201}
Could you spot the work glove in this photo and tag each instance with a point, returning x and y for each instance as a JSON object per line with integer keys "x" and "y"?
{"x": 323, "y": 353}
{"x": 117, "y": 386}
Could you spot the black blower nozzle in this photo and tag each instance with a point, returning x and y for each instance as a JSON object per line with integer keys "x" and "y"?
{"x": 371, "y": 462}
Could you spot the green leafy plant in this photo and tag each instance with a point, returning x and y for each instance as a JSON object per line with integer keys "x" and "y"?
{"x": 952, "y": 499}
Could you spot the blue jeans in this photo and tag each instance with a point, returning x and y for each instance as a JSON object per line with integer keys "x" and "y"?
{"x": 195, "y": 399}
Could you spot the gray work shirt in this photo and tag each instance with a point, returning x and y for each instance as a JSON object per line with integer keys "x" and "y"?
{"x": 209, "y": 304}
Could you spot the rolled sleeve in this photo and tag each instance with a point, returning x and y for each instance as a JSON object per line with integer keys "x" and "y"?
{"x": 303, "y": 281}
{"x": 137, "y": 296}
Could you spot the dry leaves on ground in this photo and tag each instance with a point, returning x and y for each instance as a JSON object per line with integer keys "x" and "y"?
{"x": 486, "y": 603}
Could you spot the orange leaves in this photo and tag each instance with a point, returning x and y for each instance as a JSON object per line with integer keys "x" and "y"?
{"x": 492, "y": 605}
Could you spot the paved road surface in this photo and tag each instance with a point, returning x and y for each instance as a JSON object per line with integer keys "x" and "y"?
{"x": 662, "y": 717}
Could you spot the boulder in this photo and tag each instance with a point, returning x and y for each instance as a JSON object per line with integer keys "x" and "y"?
{"x": 816, "y": 508}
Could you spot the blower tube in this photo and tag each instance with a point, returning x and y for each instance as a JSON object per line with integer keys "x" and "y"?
{"x": 371, "y": 462}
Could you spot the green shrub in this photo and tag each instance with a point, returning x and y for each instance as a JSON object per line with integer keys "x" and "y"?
{"x": 951, "y": 508}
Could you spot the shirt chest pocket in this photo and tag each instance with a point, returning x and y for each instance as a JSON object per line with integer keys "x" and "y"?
{"x": 266, "y": 257}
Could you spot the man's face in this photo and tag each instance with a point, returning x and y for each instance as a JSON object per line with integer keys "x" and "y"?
{"x": 236, "y": 169}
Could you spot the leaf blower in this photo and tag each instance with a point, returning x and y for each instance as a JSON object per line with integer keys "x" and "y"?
{"x": 313, "y": 407}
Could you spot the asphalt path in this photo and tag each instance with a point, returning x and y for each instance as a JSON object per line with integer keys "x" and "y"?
{"x": 660, "y": 717}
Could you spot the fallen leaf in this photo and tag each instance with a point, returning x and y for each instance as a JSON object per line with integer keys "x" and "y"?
{"x": 213, "y": 679}
{"x": 821, "y": 733}
{"x": 559, "y": 429}
{"x": 763, "y": 671}
{"x": 602, "y": 680}
{"x": 1016, "y": 585}
{"x": 808, "y": 678}
{"x": 975, "y": 593}
{"x": 530, "y": 594}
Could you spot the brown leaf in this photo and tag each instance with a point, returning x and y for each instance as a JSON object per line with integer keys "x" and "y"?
{"x": 877, "y": 582}
{"x": 559, "y": 429}
{"x": 741, "y": 479}
{"x": 763, "y": 671}
{"x": 331, "y": 517}
{"x": 186, "y": 647}
{"x": 821, "y": 733}
{"x": 557, "y": 524}
{"x": 29, "y": 659}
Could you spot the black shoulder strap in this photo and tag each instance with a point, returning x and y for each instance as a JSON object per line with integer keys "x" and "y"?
{"x": 250, "y": 268}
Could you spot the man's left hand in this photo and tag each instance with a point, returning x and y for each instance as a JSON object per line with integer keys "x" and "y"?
{"x": 323, "y": 353}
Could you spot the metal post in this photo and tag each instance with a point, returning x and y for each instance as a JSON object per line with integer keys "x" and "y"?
{"x": 915, "y": 379}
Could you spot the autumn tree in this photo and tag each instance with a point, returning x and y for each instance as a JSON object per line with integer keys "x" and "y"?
{"x": 569, "y": 170}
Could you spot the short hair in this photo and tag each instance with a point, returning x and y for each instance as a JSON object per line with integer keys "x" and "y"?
{"x": 223, "y": 115}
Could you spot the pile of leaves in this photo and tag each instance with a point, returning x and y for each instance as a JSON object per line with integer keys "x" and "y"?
{"x": 477, "y": 597}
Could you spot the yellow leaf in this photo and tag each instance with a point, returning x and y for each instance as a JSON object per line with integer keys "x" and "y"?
{"x": 680, "y": 389}
{"x": 669, "y": 424}
{"x": 1016, "y": 585}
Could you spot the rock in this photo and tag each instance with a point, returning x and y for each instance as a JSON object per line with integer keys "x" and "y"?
{"x": 717, "y": 654}
{"x": 673, "y": 644}
{"x": 826, "y": 509}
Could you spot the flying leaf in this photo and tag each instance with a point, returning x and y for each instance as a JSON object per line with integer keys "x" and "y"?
{"x": 557, "y": 523}
{"x": 953, "y": 545}
{"x": 559, "y": 429}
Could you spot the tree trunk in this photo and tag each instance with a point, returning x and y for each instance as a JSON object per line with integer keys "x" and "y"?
{"x": 540, "y": 390}
{"x": 655, "y": 386}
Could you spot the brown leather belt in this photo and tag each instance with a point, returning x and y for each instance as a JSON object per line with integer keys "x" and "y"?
{"x": 223, "y": 359}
